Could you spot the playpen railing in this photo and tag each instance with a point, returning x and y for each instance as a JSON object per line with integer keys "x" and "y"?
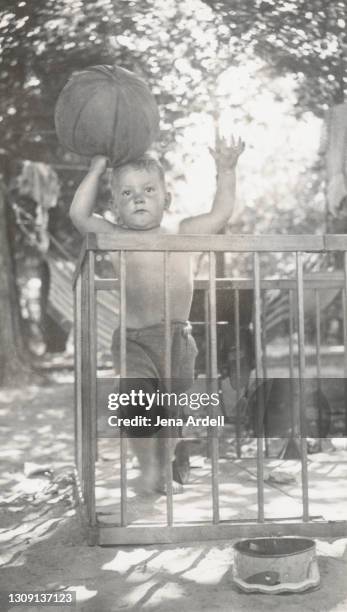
{"x": 85, "y": 286}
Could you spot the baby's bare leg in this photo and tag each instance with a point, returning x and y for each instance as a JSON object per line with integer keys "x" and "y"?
{"x": 166, "y": 436}
{"x": 151, "y": 455}
{"x": 145, "y": 450}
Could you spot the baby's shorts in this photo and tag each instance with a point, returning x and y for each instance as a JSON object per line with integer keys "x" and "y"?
{"x": 145, "y": 370}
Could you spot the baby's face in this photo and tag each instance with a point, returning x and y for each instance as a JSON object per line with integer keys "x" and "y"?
{"x": 141, "y": 198}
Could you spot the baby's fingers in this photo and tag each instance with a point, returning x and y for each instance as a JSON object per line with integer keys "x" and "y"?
{"x": 240, "y": 145}
{"x": 235, "y": 143}
{"x": 212, "y": 152}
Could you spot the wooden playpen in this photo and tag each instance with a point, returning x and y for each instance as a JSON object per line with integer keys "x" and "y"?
{"x": 86, "y": 285}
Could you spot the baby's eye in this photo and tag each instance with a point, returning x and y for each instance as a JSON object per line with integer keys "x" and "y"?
{"x": 149, "y": 189}
{"x": 126, "y": 192}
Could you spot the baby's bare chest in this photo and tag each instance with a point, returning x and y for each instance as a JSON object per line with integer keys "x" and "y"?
{"x": 145, "y": 287}
{"x": 148, "y": 269}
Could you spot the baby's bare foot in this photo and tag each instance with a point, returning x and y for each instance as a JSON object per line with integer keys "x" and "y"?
{"x": 177, "y": 488}
{"x": 145, "y": 487}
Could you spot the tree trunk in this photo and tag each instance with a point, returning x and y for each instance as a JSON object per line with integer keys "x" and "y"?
{"x": 336, "y": 174}
{"x": 12, "y": 368}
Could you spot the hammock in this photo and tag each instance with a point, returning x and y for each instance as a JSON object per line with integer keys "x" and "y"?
{"x": 60, "y": 302}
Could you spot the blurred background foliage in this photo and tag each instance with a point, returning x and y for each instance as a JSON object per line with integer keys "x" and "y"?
{"x": 276, "y": 66}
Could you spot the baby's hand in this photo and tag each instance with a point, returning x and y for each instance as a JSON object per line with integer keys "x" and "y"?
{"x": 98, "y": 164}
{"x": 226, "y": 155}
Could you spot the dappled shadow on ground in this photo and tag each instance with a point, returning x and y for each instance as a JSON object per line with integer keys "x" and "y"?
{"x": 192, "y": 577}
{"x": 44, "y": 548}
{"x": 200, "y": 577}
{"x": 237, "y": 488}
{"x": 36, "y": 466}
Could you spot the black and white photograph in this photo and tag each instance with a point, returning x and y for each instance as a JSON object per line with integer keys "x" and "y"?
{"x": 173, "y": 305}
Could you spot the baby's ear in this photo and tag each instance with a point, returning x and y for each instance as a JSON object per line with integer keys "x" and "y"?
{"x": 168, "y": 198}
{"x": 114, "y": 211}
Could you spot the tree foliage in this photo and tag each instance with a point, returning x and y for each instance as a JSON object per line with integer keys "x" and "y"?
{"x": 178, "y": 47}
{"x": 306, "y": 37}
{"x": 42, "y": 43}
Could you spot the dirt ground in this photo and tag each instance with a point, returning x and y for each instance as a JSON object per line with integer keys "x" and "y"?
{"x": 43, "y": 545}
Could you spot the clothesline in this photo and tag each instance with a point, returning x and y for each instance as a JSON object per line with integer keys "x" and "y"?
{"x": 56, "y": 166}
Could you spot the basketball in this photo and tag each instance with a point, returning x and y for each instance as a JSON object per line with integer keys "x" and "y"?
{"x": 105, "y": 110}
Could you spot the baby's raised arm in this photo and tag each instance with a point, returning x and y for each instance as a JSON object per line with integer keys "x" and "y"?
{"x": 82, "y": 208}
{"x": 226, "y": 157}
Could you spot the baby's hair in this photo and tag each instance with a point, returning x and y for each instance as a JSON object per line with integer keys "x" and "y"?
{"x": 146, "y": 162}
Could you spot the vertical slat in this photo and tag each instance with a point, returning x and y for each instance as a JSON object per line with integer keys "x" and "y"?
{"x": 260, "y": 386}
{"x": 318, "y": 360}
{"x": 208, "y": 378}
{"x": 344, "y": 320}
{"x": 301, "y": 345}
{"x": 318, "y": 335}
{"x": 96, "y": 368}
{"x": 92, "y": 381}
{"x": 344, "y": 301}
{"x": 78, "y": 376}
{"x": 238, "y": 369}
{"x": 291, "y": 332}
{"x": 294, "y": 420}
{"x": 85, "y": 384}
{"x": 214, "y": 378}
{"x": 168, "y": 441}
{"x": 207, "y": 342}
{"x": 263, "y": 333}
{"x": 264, "y": 357}
{"x": 123, "y": 374}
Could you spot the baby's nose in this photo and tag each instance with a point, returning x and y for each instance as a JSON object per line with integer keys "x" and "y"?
{"x": 138, "y": 197}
